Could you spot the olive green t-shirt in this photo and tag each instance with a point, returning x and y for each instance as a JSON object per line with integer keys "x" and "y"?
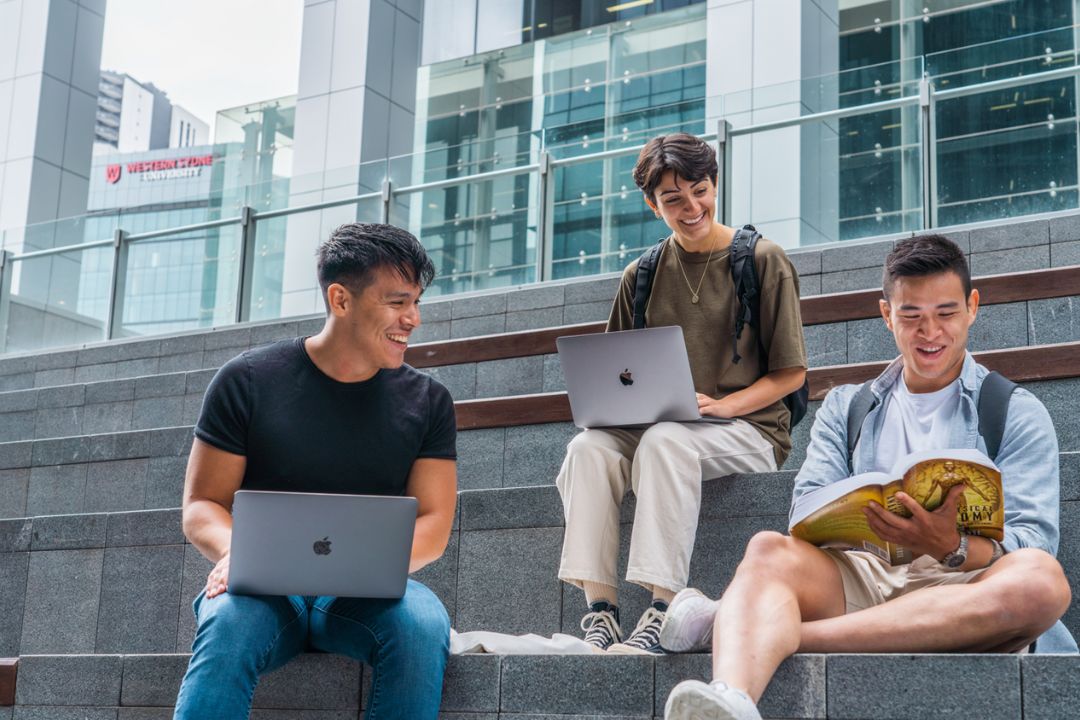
{"x": 709, "y": 326}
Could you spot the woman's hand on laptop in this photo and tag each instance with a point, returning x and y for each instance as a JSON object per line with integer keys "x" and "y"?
{"x": 713, "y": 407}
{"x": 218, "y": 579}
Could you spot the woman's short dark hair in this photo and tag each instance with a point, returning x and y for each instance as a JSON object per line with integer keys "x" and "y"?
{"x": 690, "y": 157}
{"x": 925, "y": 255}
{"x": 355, "y": 250}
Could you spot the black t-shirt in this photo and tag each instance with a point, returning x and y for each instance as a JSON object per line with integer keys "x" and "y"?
{"x": 303, "y": 431}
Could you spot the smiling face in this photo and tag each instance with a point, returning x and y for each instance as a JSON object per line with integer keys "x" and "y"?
{"x": 687, "y": 207}
{"x": 378, "y": 320}
{"x": 930, "y": 317}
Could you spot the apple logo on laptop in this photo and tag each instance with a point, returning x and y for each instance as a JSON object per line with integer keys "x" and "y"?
{"x": 626, "y": 377}
{"x": 322, "y": 547}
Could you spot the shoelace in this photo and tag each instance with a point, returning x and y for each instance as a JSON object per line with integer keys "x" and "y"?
{"x": 600, "y": 626}
{"x": 647, "y": 633}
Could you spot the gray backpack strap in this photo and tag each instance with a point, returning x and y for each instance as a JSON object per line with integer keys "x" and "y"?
{"x": 994, "y": 396}
{"x": 861, "y": 405}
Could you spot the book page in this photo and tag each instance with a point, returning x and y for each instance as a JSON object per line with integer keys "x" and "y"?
{"x": 815, "y": 499}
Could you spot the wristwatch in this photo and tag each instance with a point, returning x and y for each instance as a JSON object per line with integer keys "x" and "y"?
{"x": 958, "y": 556}
{"x": 997, "y": 553}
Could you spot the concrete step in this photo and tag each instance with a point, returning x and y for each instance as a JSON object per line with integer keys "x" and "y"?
{"x": 124, "y": 582}
{"x": 529, "y": 687}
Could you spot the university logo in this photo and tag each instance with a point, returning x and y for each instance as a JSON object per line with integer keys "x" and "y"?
{"x": 112, "y": 173}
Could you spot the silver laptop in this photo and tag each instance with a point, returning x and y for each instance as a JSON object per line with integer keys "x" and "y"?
{"x": 286, "y": 543}
{"x": 632, "y": 378}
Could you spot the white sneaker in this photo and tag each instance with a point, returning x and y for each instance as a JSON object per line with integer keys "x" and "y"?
{"x": 695, "y": 700}
{"x": 689, "y": 623}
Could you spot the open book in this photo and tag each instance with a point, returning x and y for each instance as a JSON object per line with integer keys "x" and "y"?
{"x": 832, "y": 516}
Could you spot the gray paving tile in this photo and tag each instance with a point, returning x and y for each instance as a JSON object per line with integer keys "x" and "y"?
{"x": 809, "y": 285}
{"x": 231, "y": 338}
{"x": 441, "y": 576}
{"x": 61, "y": 451}
{"x": 507, "y": 581}
{"x": 515, "y": 376}
{"x": 1066, "y": 253}
{"x": 1053, "y": 321}
{"x": 217, "y": 358}
{"x": 262, "y": 334}
{"x": 587, "y": 312}
{"x": 800, "y": 436}
{"x": 136, "y": 368}
{"x": 431, "y": 332}
{"x": 61, "y": 396}
{"x": 805, "y": 260}
{"x": 437, "y": 310}
{"x": 16, "y": 454}
{"x": 116, "y": 485}
{"x": 471, "y": 684}
{"x": 18, "y": 381}
{"x": 526, "y": 507}
{"x": 170, "y": 441}
{"x": 59, "y": 376}
{"x": 854, "y": 256}
{"x": 152, "y": 680}
{"x": 192, "y": 410}
{"x": 66, "y": 585}
{"x": 826, "y": 344}
{"x": 15, "y": 535}
{"x": 165, "y": 482}
{"x": 480, "y": 458}
{"x": 17, "y": 365}
{"x": 1070, "y": 476}
{"x": 534, "y": 319}
{"x": 13, "y": 568}
{"x": 196, "y": 569}
{"x": 310, "y": 326}
{"x": 54, "y": 360}
{"x": 478, "y": 306}
{"x": 1010, "y": 235}
{"x": 144, "y": 713}
{"x": 460, "y": 380}
{"x": 90, "y": 680}
{"x": 949, "y": 686}
{"x": 861, "y": 279}
{"x": 160, "y": 385}
{"x": 56, "y": 490}
{"x": 13, "y": 487}
{"x": 180, "y": 344}
{"x": 1065, "y": 229}
{"x": 67, "y": 532}
{"x": 534, "y": 297}
{"x": 157, "y": 412}
{"x": 1059, "y": 397}
{"x": 181, "y": 362}
{"x": 313, "y": 682}
{"x": 869, "y": 340}
{"x": 145, "y": 527}
{"x": 58, "y": 422}
{"x": 198, "y": 381}
{"x": 476, "y": 326}
{"x": 567, "y": 685}
{"x": 554, "y": 381}
{"x": 592, "y": 290}
{"x": 119, "y": 445}
{"x": 1010, "y": 261}
{"x": 999, "y": 326}
{"x": 1049, "y": 685}
{"x": 19, "y": 400}
{"x": 17, "y": 425}
{"x": 534, "y": 453}
{"x": 95, "y": 373}
{"x": 139, "y": 590}
{"x": 59, "y": 712}
{"x": 107, "y": 417}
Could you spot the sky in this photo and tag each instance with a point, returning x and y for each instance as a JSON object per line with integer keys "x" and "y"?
{"x": 207, "y": 55}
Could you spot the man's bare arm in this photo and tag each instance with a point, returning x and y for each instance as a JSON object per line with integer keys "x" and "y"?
{"x": 213, "y": 477}
{"x": 433, "y": 482}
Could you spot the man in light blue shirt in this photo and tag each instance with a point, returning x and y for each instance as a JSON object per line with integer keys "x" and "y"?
{"x": 961, "y": 593}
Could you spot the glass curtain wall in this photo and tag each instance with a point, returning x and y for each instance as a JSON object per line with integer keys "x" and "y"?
{"x": 999, "y": 154}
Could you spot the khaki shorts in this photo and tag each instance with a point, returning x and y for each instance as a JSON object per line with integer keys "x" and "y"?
{"x": 869, "y": 581}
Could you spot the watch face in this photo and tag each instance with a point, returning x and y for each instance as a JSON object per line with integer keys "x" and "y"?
{"x": 955, "y": 560}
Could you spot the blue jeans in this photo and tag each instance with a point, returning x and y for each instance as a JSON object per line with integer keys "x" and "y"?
{"x": 241, "y": 637}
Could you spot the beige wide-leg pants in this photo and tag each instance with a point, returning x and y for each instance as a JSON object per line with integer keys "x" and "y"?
{"x": 664, "y": 465}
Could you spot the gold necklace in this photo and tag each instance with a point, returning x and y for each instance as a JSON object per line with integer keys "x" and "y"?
{"x": 695, "y": 294}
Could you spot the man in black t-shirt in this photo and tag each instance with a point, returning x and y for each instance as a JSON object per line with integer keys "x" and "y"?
{"x": 338, "y": 412}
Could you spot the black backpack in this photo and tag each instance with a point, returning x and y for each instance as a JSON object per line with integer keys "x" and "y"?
{"x": 744, "y": 276}
{"x": 993, "y": 409}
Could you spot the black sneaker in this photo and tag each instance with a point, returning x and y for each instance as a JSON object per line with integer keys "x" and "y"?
{"x": 601, "y": 625}
{"x": 645, "y": 640}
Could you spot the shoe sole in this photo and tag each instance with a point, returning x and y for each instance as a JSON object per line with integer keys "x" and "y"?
{"x": 674, "y": 622}
{"x": 693, "y": 703}
{"x": 620, "y": 649}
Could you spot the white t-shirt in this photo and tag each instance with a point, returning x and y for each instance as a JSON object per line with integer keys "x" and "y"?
{"x": 916, "y": 421}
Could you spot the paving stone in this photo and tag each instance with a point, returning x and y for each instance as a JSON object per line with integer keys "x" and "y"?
{"x": 192, "y": 409}
{"x": 196, "y": 569}
{"x": 59, "y": 376}
{"x": 152, "y": 680}
{"x": 800, "y": 437}
{"x": 476, "y": 326}
{"x": 1059, "y": 397}
{"x": 181, "y": 362}
{"x": 1009, "y": 261}
{"x": 999, "y": 326}
{"x": 478, "y": 306}
{"x": 826, "y": 344}
{"x": 13, "y": 568}
{"x": 431, "y": 331}
{"x": 170, "y": 441}
{"x": 19, "y": 400}
{"x": 144, "y": 713}
{"x": 58, "y": 422}
{"x": 1053, "y": 321}
{"x": 507, "y": 581}
{"x": 1065, "y": 229}
{"x": 136, "y": 368}
{"x": 809, "y": 285}
{"x": 62, "y": 396}
{"x": 471, "y": 684}
{"x": 263, "y": 334}
{"x": 515, "y": 376}
{"x": 108, "y": 417}
{"x": 181, "y": 344}
{"x": 56, "y": 490}
{"x": 116, "y": 485}
{"x": 310, "y": 326}
{"x": 534, "y": 319}
{"x": 853, "y": 256}
{"x": 54, "y": 712}
{"x": 116, "y": 351}
{"x": 869, "y": 340}
{"x": 567, "y": 684}
{"x": 528, "y": 507}
{"x": 17, "y": 425}
{"x": 1069, "y": 557}
{"x": 1064, "y": 254}
{"x": 460, "y": 380}
{"x": 198, "y": 381}
{"x": 1070, "y": 476}
{"x": 749, "y": 495}
{"x": 587, "y": 312}
{"x": 18, "y": 365}
{"x": 1049, "y": 686}
{"x": 534, "y": 453}
{"x": 160, "y": 385}
{"x": 65, "y": 585}
{"x": 165, "y": 482}
{"x": 949, "y": 686}
{"x": 797, "y": 690}
{"x": 554, "y": 380}
{"x": 145, "y": 527}
{"x": 1009, "y": 236}
{"x": 54, "y": 360}
{"x": 157, "y": 412}
{"x": 805, "y": 260}
{"x": 441, "y": 576}
{"x": 15, "y": 535}
{"x": 95, "y": 373}
{"x": 231, "y": 338}
{"x": 139, "y": 588}
{"x": 592, "y": 289}
{"x": 312, "y": 682}
{"x": 16, "y": 454}
{"x": 866, "y": 278}
{"x": 264, "y": 714}
{"x": 119, "y": 445}
{"x": 90, "y": 680}
{"x": 480, "y": 458}
{"x": 536, "y": 296}
{"x": 61, "y": 451}
{"x": 13, "y": 487}
{"x": 19, "y": 381}
{"x": 436, "y": 310}
{"x": 65, "y": 532}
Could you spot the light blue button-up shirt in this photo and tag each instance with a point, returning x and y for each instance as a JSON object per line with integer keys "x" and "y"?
{"x": 1028, "y": 460}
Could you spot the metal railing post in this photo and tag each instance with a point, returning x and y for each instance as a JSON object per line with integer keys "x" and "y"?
{"x": 928, "y": 151}
{"x": 6, "y": 271}
{"x": 387, "y": 198}
{"x": 119, "y": 282}
{"x": 723, "y": 166}
{"x": 544, "y": 244}
{"x": 247, "y": 264}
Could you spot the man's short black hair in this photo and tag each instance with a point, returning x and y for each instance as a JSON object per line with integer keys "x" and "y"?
{"x": 689, "y": 156}
{"x": 355, "y": 250}
{"x": 925, "y": 255}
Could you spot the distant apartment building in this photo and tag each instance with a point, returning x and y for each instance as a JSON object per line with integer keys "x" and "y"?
{"x": 137, "y": 117}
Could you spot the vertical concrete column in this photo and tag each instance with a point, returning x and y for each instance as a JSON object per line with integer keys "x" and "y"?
{"x": 772, "y": 60}
{"x": 356, "y": 104}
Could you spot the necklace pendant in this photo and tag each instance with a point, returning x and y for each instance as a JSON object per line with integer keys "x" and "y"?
{"x": 694, "y": 299}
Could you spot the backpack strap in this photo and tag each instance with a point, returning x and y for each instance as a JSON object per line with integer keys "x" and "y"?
{"x": 646, "y": 270}
{"x": 994, "y": 397}
{"x": 861, "y": 405}
{"x": 744, "y": 276}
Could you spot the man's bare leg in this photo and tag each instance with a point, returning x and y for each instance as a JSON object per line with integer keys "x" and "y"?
{"x": 1004, "y": 609}
{"x": 780, "y": 583}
